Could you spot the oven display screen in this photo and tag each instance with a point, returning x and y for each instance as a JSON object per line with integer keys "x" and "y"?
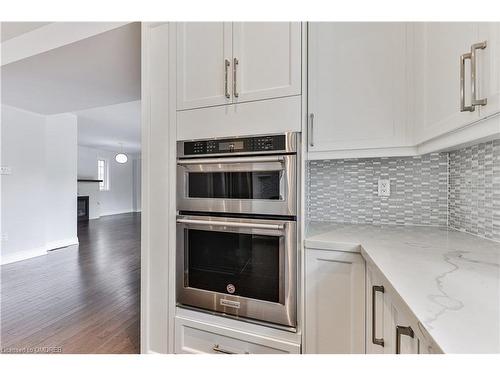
{"x": 231, "y": 146}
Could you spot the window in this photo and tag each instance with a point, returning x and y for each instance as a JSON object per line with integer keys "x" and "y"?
{"x": 103, "y": 174}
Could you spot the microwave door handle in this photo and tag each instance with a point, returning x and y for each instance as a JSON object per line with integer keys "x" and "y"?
{"x": 256, "y": 159}
{"x": 233, "y": 224}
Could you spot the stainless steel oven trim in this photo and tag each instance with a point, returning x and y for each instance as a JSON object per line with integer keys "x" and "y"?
{"x": 286, "y": 205}
{"x": 278, "y": 313}
{"x": 291, "y": 140}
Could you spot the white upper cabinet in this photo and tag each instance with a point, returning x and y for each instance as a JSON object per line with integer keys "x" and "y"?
{"x": 489, "y": 67}
{"x": 204, "y": 54}
{"x": 267, "y": 60}
{"x": 458, "y": 65}
{"x": 358, "y": 86}
{"x": 441, "y": 47}
{"x": 222, "y": 63}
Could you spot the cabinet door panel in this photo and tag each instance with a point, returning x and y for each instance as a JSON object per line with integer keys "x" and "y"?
{"x": 334, "y": 316}
{"x": 269, "y": 60}
{"x": 358, "y": 85}
{"x": 443, "y": 44}
{"x": 489, "y": 67}
{"x": 202, "y": 48}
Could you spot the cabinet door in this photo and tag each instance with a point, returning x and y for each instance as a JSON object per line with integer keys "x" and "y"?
{"x": 335, "y": 294}
{"x": 357, "y": 85}
{"x": 267, "y": 60}
{"x": 398, "y": 327}
{"x": 375, "y": 293}
{"x": 203, "y": 50}
{"x": 442, "y": 46}
{"x": 488, "y": 62}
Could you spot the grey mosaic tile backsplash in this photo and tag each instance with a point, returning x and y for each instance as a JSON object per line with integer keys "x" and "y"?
{"x": 347, "y": 190}
{"x": 460, "y": 189}
{"x": 474, "y": 190}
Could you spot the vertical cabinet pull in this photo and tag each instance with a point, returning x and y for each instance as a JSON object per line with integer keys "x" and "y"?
{"x": 235, "y": 77}
{"x": 463, "y": 107}
{"x": 473, "y": 68}
{"x": 401, "y": 330}
{"x": 227, "y": 63}
{"x": 375, "y": 289}
{"x": 311, "y": 130}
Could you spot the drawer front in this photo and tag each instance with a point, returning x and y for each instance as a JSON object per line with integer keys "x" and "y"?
{"x": 199, "y": 338}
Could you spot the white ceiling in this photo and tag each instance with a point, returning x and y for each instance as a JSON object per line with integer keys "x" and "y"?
{"x": 10, "y": 30}
{"x": 94, "y": 72}
{"x": 105, "y": 127}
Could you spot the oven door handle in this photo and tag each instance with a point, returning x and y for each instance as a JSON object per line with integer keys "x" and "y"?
{"x": 232, "y": 224}
{"x": 232, "y": 160}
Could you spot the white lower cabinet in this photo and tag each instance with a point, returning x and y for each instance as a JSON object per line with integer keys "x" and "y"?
{"x": 334, "y": 302}
{"x": 196, "y": 337}
{"x": 391, "y": 328}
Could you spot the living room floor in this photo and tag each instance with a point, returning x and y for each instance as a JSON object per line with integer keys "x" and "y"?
{"x": 79, "y": 299}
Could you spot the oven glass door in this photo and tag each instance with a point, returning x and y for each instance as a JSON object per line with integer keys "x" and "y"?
{"x": 242, "y": 264}
{"x": 234, "y": 185}
{"x": 260, "y": 185}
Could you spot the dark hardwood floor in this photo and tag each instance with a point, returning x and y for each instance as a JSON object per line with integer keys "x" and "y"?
{"x": 80, "y": 299}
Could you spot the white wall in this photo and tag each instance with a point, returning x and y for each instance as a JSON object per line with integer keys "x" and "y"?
{"x": 60, "y": 192}
{"x": 39, "y": 198}
{"x": 120, "y": 197}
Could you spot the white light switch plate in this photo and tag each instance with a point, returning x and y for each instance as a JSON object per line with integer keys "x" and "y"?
{"x": 384, "y": 188}
{"x": 5, "y": 170}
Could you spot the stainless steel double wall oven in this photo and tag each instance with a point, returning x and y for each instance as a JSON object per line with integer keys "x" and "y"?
{"x": 236, "y": 228}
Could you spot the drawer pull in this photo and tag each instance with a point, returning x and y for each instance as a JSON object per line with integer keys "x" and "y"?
{"x": 375, "y": 289}
{"x": 401, "y": 330}
{"x": 217, "y": 349}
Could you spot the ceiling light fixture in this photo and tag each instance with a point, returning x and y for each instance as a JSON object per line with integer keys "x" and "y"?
{"x": 121, "y": 157}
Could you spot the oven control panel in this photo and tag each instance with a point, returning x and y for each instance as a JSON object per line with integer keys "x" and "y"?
{"x": 236, "y": 145}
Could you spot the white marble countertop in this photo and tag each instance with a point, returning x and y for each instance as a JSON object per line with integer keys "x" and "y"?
{"x": 449, "y": 279}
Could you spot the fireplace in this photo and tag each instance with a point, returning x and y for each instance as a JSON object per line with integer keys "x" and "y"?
{"x": 83, "y": 208}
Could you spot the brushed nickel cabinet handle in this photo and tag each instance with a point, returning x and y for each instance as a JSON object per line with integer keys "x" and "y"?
{"x": 473, "y": 67}
{"x": 227, "y": 63}
{"x": 402, "y": 330}
{"x": 375, "y": 289}
{"x": 311, "y": 130}
{"x": 235, "y": 77}
{"x": 463, "y": 107}
{"x": 216, "y": 348}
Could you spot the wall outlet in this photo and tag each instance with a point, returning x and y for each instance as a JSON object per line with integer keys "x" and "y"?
{"x": 384, "y": 188}
{"x": 5, "y": 170}
{"x": 5, "y": 237}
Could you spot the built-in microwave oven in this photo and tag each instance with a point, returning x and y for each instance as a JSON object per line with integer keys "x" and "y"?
{"x": 252, "y": 175}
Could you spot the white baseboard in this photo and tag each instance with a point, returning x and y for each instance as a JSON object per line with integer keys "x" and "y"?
{"x": 33, "y": 253}
{"x": 110, "y": 213}
{"x": 62, "y": 243}
{"x": 22, "y": 255}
